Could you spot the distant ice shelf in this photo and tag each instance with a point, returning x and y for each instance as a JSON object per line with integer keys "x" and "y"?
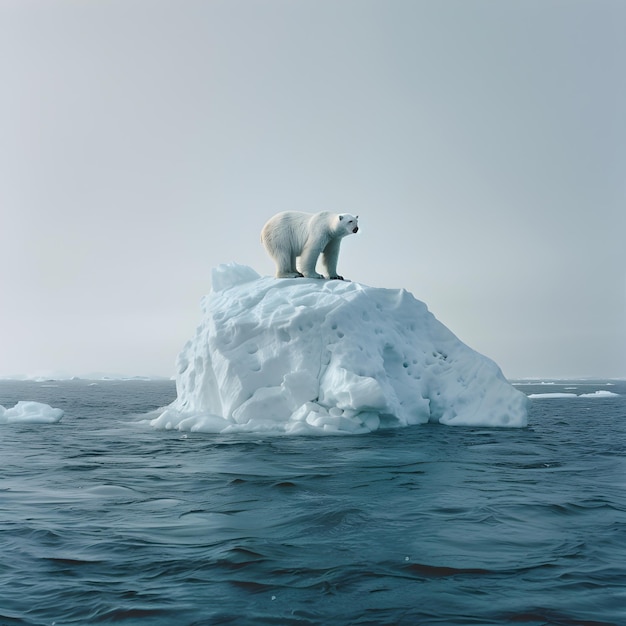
{"x": 51, "y": 376}
{"x": 307, "y": 356}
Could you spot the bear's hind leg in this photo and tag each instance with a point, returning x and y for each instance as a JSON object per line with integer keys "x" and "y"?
{"x": 294, "y": 267}
{"x": 286, "y": 265}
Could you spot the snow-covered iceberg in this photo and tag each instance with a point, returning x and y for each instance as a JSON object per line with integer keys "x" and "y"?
{"x": 316, "y": 356}
{"x": 26, "y": 412}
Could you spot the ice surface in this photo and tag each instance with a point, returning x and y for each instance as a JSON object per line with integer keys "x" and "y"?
{"x": 315, "y": 356}
{"x": 26, "y": 412}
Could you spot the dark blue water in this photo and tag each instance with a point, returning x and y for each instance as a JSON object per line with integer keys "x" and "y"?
{"x": 105, "y": 520}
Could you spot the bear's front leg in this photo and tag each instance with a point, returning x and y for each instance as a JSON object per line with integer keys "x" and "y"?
{"x": 330, "y": 255}
{"x": 308, "y": 261}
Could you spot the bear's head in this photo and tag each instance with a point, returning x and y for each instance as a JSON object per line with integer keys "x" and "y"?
{"x": 347, "y": 224}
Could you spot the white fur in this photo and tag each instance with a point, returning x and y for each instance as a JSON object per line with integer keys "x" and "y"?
{"x": 293, "y": 234}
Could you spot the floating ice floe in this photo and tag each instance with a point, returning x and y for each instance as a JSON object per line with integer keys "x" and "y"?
{"x": 26, "y": 412}
{"x": 317, "y": 356}
{"x": 595, "y": 394}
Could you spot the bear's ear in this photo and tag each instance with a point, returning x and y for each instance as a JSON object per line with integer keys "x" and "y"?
{"x": 357, "y": 217}
{"x": 340, "y": 217}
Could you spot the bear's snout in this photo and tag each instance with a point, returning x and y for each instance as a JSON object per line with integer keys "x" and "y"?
{"x": 356, "y": 229}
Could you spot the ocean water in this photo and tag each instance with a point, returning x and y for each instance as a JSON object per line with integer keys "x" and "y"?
{"x": 106, "y": 520}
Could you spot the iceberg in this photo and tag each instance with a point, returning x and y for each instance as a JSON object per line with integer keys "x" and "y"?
{"x": 308, "y": 356}
{"x": 26, "y": 412}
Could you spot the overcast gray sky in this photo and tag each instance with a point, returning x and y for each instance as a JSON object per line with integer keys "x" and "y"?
{"x": 481, "y": 142}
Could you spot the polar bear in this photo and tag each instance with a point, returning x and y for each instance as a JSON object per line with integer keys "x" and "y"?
{"x": 293, "y": 234}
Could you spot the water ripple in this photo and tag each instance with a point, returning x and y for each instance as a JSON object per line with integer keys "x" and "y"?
{"x": 105, "y": 521}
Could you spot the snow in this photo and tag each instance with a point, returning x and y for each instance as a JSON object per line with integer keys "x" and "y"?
{"x": 26, "y": 412}
{"x": 307, "y": 356}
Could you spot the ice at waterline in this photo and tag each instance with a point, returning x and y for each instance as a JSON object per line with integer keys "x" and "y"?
{"x": 307, "y": 356}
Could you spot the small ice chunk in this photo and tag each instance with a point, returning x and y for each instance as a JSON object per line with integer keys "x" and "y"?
{"x": 596, "y": 394}
{"x": 600, "y": 394}
{"x": 27, "y": 412}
